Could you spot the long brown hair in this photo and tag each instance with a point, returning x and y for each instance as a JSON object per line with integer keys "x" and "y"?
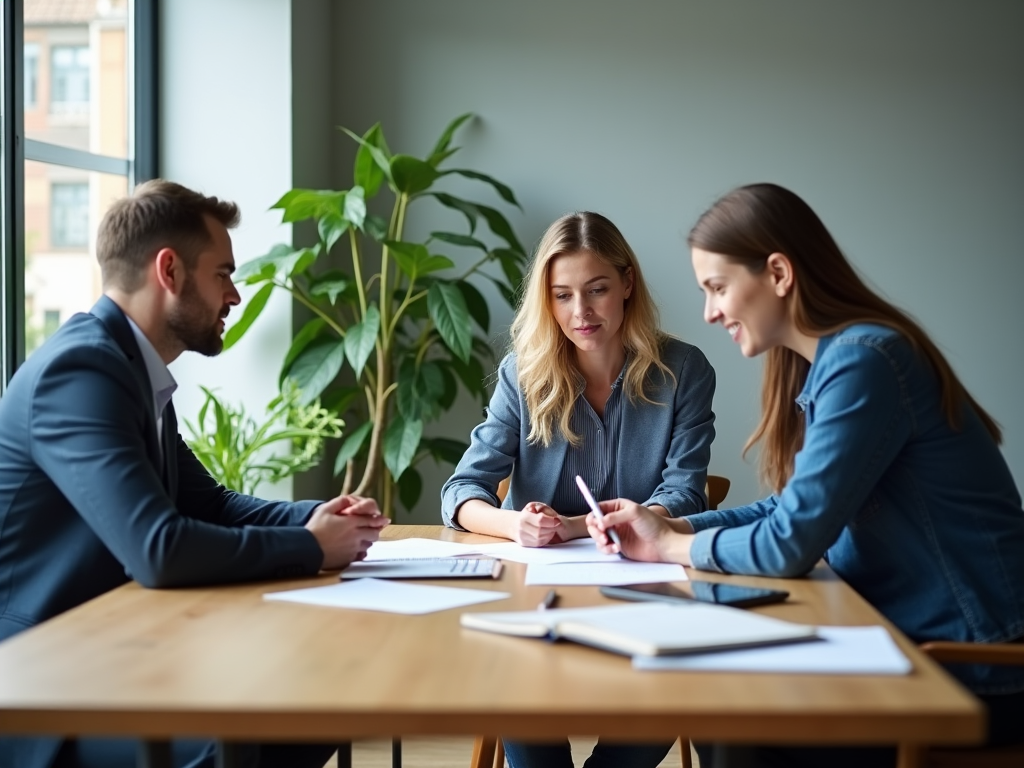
{"x": 546, "y": 359}
{"x": 749, "y": 224}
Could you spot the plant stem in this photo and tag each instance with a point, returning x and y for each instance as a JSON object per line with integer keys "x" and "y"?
{"x": 357, "y": 269}
{"x": 298, "y": 294}
{"x": 475, "y": 267}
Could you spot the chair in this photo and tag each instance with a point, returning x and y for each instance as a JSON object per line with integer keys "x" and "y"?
{"x": 488, "y": 751}
{"x": 982, "y": 757}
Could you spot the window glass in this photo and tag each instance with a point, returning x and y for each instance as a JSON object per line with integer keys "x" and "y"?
{"x": 63, "y": 208}
{"x": 78, "y": 54}
{"x": 31, "y": 58}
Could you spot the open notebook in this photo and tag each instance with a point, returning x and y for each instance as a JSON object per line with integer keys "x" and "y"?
{"x": 646, "y": 629}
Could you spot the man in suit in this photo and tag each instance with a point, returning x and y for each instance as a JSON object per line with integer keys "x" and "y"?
{"x": 96, "y": 485}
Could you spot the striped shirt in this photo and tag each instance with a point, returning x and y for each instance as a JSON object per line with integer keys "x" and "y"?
{"x": 594, "y": 458}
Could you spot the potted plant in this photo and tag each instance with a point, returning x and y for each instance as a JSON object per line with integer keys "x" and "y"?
{"x": 393, "y": 332}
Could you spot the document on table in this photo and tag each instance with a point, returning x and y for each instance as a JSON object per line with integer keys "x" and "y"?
{"x": 408, "y": 549}
{"x": 574, "y": 551}
{"x": 387, "y": 596}
{"x": 841, "y": 651}
{"x": 602, "y": 574}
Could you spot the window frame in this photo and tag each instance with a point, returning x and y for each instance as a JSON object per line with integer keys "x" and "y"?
{"x": 140, "y": 165}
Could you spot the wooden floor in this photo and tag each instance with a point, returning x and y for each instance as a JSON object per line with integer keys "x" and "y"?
{"x": 425, "y": 752}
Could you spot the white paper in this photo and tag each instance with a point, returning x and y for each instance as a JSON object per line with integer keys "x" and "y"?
{"x": 602, "y": 574}
{"x": 408, "y": 549}
{"x": 841, "y": 651}
{"x": 575, "y": 551}
{"x": 387, "y": 596}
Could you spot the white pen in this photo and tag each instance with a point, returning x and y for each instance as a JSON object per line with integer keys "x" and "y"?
{"x": 612, "y": 534}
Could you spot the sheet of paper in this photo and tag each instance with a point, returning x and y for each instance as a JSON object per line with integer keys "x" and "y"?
{"x": 602, "y": 574}
{"x": 387, "y": 596}
{"x": 575, "y": 551}
{"x": 841, "y": 651}
{"x": 407, "y": 549}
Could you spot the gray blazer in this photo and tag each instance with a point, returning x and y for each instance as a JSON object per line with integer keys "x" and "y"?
{"x": 86, "y": 503}
{"x": 662, "y": 457}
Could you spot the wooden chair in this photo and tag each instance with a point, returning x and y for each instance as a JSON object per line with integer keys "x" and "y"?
{"x": 488, "y": 751}
{"x": 982, "y": 757}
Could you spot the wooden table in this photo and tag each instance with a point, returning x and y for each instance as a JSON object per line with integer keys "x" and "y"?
{"x": 222, "y": 662}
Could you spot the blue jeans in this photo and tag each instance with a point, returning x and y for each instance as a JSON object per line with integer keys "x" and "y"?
{"x": 121, "y": 753}
{"x": 605, "y": 755}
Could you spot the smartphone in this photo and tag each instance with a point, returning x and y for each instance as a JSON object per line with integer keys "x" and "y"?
{"x": 701, "y": 591}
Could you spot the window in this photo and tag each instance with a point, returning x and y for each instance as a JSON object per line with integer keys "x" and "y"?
{"x": 69, "y": 215}
{"x": 69, "y": 79}
{"x": 31, "y": 74}
{"x": 92, "y": 65}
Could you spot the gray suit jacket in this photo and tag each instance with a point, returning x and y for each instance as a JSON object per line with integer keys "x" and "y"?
{"x": 86, "y": 503}
{"x": 662, "y": 457}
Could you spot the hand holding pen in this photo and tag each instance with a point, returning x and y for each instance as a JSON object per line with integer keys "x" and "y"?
{"x": 612, "y": 534}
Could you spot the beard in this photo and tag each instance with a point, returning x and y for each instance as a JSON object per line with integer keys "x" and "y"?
{"x": 191, "y": 325}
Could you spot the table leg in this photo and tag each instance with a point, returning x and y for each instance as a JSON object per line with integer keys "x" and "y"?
{"x": 396, "y": 753}
{"x": 345, "y": 754}
{"x": 911, "y": 756}
{"x": 154, "y": 754}
{"x": 228, "y": 755}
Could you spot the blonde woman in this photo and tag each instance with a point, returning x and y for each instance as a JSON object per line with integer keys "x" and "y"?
{"x": 591, "y": 387}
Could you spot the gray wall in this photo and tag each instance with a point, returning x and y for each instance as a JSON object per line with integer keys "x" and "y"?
{"x": 900, "y": 123}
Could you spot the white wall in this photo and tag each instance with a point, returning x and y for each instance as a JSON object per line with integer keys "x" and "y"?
{"x": 900, "y": 123}
{"x": 225, "y": 128}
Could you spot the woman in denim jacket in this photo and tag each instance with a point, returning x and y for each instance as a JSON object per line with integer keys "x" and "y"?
{"x": 886, "y": 466}
{"x": 593, "y": 388}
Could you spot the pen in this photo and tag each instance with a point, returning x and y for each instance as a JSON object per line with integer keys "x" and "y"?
{"x": 549, "y": 601}
{"x": 612, "y": 534}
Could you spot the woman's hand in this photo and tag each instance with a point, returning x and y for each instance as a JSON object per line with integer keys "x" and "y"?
{"x": 539, "y": 525}
{"x": 645, "y": 535}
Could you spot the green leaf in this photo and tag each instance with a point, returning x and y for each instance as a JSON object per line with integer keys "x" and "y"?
{"x": 376, "y": 227}
{"x": 299, "y": 263}
{"x": 419, "y": 389}
{"x": 351, "y": 446}
{"x": 507, "y": 293}
{"x": 302, "y": 339}
{"x": 441, "y": 150}
{"x": 338, "y": 399}
{"x": 476, "y": 304}
{"x": 333, "y": 284}
{"x": 445, "y": 449}
{"x": 252, "y": 310}
{"x": 411, "y": 175}
{"x": 263, "y": 267}
{"x": 372, "y": 160}
{"x": 451, "y": 388}
{"x": 502, "y": 189}
{"x": 410, "y": 488}
{"x": 448, "y": 311}
{"x": 400, "y": 443}
{"x": 316, "y": 366}
{"x": 467, "y": 209}
{"x": 361, "y": 338}
{"x": 331, "y": 228}
{"x": 456, "y": 239}
{"x": 302, "y": 204}
{"x": 471, "y": 374}
{"x": 354, "y": 207}
{"x": 510, "y": 266}
{"x": 414, "y": 260}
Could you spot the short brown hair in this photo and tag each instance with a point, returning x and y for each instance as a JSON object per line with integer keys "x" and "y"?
{"x": 158, "y": 214}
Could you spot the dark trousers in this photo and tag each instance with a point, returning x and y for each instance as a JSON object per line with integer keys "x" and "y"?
{"x": 122, "y": 753}
{"x": 1005, "y": 716}
{"x": 606, "y": 754}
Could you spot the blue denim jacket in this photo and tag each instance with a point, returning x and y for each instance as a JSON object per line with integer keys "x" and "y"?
{"x": 923, "y": 520}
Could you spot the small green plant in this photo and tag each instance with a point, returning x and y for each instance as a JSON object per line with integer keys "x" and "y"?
{"x": 236, "y": 449}
{"x": 400, "y": 311}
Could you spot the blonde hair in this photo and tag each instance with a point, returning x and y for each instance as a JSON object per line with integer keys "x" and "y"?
{"x": 749, "y": 224}
{"x": 545, "y": 359}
